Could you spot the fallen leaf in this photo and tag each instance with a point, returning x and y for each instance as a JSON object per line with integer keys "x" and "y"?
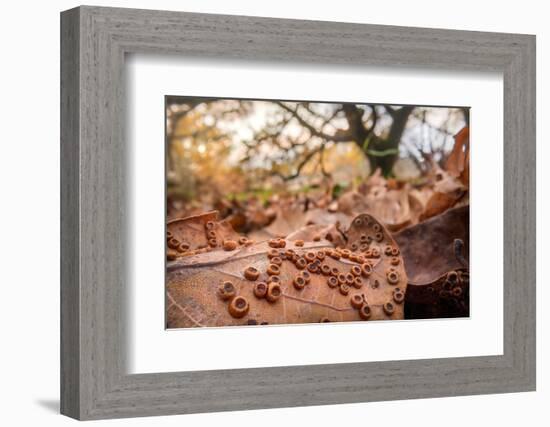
{"x": 428, "y": 248}
{"x": 390, "y": 206}
{"x": 186, "y": 235}
{"x": 458, "y": 162}
{"x": 193, "y": 282}
{"x": 293, "y": 216}
{"x": 418, "y": 200}
{"x": 317, "y": 232}
{"x": 446, "y": 296}
{"x": 255, "y": 214}
{"x": 448, "y": 191}
{"x": 352, "y": 202}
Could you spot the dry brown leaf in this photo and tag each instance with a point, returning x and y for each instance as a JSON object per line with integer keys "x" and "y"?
{"x": 438, "y": 203}
{"x": 186, "y": 235}
{"x": 374, "y": 181}
{"x": 317, "y": 232}
{"x": 391, "y": 206}
{"x": 238, "y": 220}
{"x": 177, "y": 210}
{"x": 428, "y": 248}
{"x": 448, "y": 192}
{"x": 446, "y": 296}
{"x": 245, "y": 215}
{"x": 192, "y": 284}
{"x": 352, "y": 202}
{"x": 292, "y": 217}
{"x": 418, "y": 199}
{"x": 368, "y": 236}
{"x": 458, "y": 162}
{"x": 388, "y": 200}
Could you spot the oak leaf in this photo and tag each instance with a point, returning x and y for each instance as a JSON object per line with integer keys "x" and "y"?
{"x": 293, "y": 216}
{"x": 446, "y": 296}
{"x": 429, "y": 248}
{"x": 458, "y": 162}
{"x": 194, "y": 233}
{"x": 193, "y": 282}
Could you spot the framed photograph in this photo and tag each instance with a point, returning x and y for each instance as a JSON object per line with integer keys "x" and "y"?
{"x": 287, "y": 212}
{"x": 262, "y": 213}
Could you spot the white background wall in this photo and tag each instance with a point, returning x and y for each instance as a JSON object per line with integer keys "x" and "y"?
{"x": 29, "y": 214}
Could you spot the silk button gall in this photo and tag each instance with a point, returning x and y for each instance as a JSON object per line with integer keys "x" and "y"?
{"x": 238, "y": 307}
{"x": 251, "y": 273}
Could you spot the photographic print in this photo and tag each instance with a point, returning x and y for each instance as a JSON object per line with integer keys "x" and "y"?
{"x": 294, "y": 212}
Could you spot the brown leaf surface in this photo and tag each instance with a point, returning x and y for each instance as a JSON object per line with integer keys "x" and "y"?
{"x": 316, "y": 232}
{"x": 458, "y": 162}
{"x": 428, "y": 248}
{"x": 448, "y": 192}
{"x": 391, "y": 202}
{"x": 249, "y": 215}
{"x": 291, "y": 217}
{"x": 192, "y": 284}
{"x": 392, "y": 207}
{"x": 446, "y": 296}
{"x": 192, "y": 232}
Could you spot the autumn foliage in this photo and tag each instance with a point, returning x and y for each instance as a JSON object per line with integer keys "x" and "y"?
{"x": 251, "y": 242}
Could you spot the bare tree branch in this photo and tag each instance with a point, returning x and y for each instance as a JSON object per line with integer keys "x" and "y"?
{"x": 343, "y": 137}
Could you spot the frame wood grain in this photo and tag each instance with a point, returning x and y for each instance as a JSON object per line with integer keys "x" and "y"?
{"x": 94, "y": 41}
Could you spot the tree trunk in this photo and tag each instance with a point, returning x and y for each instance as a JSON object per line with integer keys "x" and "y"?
{"x": 382, "y": 153}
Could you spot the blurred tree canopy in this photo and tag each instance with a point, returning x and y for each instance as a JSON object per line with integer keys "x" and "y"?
{"x": 217, "y": 147}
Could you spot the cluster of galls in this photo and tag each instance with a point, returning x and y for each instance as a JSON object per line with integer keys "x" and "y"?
{"x": 270, "y": 290}
{"x": 447, "y": 296}
{"x": 453, "y": 284}
{"x": 309, "y": 262}
{"x": 182, "y": 248}
{"x": 364, "y": 269}
{"x": 175, "y": 245}
{"x": 227, "y": 244}
{"x": 238, "y": 305}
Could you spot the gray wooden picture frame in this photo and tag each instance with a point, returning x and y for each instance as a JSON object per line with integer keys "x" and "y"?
{"x": 94, "y": 41}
